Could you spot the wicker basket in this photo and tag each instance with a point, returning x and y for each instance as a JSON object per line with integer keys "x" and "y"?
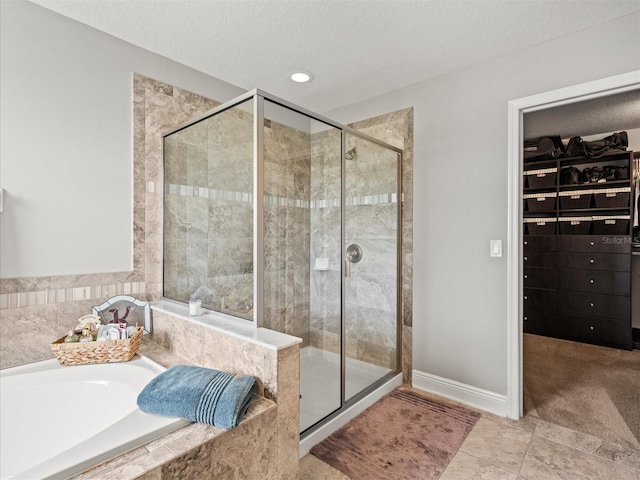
{"x": 611, "y": 225}
{"x": 612, "y": 197}
{"x": 575, "y": 225}
{"x": 540, "y": 202}
{"x": 541, "y": 178}
{"x": 108, "y": 351}
{"x": 575, "y": 199}
{"x": 540, "y": 226}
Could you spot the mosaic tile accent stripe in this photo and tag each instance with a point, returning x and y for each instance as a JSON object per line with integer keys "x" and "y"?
{"x": 244, "y": 197}
{"x": 62, "y": 295}
{"x": 380, "y": 199}
{"x": 203, "y": 192}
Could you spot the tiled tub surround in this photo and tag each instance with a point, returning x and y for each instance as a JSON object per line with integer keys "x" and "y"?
{"x": 235, "y": 346}
{"x": 47, "y": 308}
{"x": 199, "y": 451}
{"x": 263, "y": 445}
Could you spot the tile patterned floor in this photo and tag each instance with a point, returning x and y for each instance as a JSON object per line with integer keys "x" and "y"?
{"x": 527, "y": 449}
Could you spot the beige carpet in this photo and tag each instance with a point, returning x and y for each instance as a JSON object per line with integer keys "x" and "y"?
{"x": 402, "y": 436}
{"x": 588, "y": 388}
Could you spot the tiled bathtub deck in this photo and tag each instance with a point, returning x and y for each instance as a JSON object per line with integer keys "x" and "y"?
{"x": 156, "y": 459}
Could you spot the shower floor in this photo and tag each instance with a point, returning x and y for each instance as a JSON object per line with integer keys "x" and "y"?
{"x": 320, "y": 382}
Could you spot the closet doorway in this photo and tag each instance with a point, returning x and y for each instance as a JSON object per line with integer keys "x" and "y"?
{"x": 517, "y": 110}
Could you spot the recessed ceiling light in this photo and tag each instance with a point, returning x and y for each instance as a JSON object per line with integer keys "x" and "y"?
{"x": 302, "y": 77}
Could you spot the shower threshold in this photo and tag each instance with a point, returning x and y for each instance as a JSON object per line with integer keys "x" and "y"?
{"x": 320, "y": 391}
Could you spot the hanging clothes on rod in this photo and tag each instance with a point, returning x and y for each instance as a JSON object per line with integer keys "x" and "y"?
{"x": 636, "y": 183}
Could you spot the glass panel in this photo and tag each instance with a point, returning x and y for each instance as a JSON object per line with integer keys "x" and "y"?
{"x": 371, "y": 269}
{"x": 302, "y": 253}
{"x": 208, "y": 212}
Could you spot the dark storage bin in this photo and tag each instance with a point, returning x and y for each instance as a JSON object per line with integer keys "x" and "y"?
{"x": 543, "y": 178}
{"x": 575, "y": 226}
{"x": 540, "y": 202}
{"x": 540, "y": 226}
{"x": 613, "y": 225}
{"x": 575, "y": 199}
{"x": 612, "y": 197}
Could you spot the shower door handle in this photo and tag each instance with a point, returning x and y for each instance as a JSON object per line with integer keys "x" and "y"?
{"x": 353, "y": 254}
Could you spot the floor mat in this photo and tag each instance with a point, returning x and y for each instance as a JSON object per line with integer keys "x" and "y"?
{"x": 402, "y": 436}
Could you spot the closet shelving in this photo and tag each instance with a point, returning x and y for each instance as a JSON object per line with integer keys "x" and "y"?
{"x": 577, "y": 252}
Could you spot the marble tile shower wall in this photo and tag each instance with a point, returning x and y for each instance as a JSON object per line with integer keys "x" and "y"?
{"x": 396, "y": 128}
{"x": 209, "y": 212}
{"x": 325, "y": 212}
{"x": 371, "y": 293}
{"x": 370, "y": 213}
{"x": 286, "y": 230}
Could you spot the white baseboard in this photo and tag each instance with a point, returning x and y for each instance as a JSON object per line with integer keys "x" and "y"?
{"x": 461, "y": 393}
{"x": 339, "y": 421}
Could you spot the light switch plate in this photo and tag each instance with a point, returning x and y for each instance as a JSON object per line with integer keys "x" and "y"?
{"x": 495, "y": 248}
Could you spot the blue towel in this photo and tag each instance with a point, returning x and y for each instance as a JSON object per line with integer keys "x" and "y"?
{"x": 198, "y": 394}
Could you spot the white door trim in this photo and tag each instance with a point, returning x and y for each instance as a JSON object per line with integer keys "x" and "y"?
{"x": 553, "y": 98}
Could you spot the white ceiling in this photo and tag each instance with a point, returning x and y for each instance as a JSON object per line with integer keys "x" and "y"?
{"x": 355, "y": 49}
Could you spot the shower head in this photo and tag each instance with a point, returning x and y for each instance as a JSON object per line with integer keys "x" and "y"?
{"x": 351, "y": 153}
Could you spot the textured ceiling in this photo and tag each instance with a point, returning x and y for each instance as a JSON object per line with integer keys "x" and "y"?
{"x": 355, "y": 49}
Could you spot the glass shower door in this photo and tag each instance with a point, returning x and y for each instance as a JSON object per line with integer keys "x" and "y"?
{"x": 302, "y": 251}
{"x": 371, "y": 246}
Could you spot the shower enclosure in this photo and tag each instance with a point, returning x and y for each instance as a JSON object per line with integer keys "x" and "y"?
{"x": 285, "y": 218}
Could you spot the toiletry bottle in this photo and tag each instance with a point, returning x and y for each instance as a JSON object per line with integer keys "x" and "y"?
{"x": 71, "y": 337}
{"x": 86, "y": 336}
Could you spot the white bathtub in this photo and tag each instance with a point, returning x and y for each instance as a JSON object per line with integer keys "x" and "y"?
{"x": 57, "y": 421}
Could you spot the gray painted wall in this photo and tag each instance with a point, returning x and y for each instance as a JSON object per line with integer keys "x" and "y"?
{"x": 460, "y": 310}
{"x": 66, "y": 141}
